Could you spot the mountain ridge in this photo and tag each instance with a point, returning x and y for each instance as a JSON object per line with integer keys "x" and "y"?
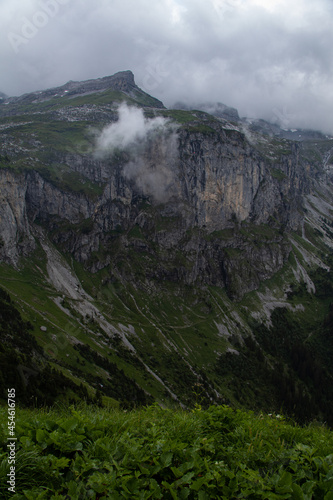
{"x": 123, "y": 81}
{"x": 176, "y": 256}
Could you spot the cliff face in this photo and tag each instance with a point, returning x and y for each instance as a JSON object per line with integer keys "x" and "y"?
{"x": 195, "y": 185}
{"x": 226, "y": 179}
{"x": 15, "y": 235}
{"x": 200, "y": 190}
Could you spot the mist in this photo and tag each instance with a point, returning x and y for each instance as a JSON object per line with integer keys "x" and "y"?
{"x": 132, "y": 129}
{"x": 267, "y": 58}
{"x": 151, "y": 144}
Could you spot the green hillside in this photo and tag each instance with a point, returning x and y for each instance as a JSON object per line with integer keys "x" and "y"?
{"x": 218, "y": 453}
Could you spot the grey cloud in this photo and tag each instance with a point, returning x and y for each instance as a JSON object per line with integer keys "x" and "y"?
{"x": 253, "y": 55}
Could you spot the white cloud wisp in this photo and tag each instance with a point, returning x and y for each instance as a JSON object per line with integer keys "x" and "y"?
{"x": 152, "y": 149}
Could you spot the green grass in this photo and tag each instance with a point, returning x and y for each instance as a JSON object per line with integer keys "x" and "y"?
{"x": 175, "y": 329}
{"x": 178, "y": 115}
{"x": 276, "y": 173}
{"x": 106, "y": 98}
{"x": 59, "y": 135}
{"x": 34, "y": 298}
{"x": 218, "y": 453}
{"x": 59, "y": 138}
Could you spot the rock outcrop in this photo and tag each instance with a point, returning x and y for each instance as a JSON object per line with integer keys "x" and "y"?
{"x": 201, "y": 190}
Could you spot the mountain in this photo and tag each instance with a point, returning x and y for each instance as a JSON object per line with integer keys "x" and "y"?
{"x": 122, "y": 82}
{"x": 218, "y": 109}
{"x": 163, "y": 254}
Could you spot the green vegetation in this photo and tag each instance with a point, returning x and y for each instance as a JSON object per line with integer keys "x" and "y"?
{"x": 4, "y": 161}
{"x": 200, "y": 128}
{"x": 53, "y": 369}
{"x": 105, "y": 98}
{"x": 23, "y": 363}
{"x": 59, "y": 135}
{"x": 218, "y": 453}
{"x": 278, "y": 174}
{"x": 71, "y": 181}
{"x": 189, "y": 120}
{"x": 178, "y": 115}
{"x": 59, "y": 138}
{"x": 187, "y": 335}
{"x": 154, "y": 328}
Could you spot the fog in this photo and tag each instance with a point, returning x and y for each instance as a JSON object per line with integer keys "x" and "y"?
{"x": 267, "y": 58}
{"x": 150, "y": 145}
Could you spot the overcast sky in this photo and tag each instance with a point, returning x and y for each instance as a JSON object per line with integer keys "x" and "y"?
{"x": 267, "y": 58}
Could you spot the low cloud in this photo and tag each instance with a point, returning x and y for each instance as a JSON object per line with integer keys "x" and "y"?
{"x": 154, "y": 173}
{"x": 151, "y": 145}
{"x": 131, "y": 130}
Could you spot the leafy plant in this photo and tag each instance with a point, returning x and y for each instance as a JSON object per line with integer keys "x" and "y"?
{"x": 218, "y": 453}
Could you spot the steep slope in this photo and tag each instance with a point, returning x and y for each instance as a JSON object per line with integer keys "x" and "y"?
{"x": 185, "y": 250}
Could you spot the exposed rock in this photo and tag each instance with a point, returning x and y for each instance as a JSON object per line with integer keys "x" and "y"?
{"x": 204, "y": 192}
{"x": 15, "y": 234}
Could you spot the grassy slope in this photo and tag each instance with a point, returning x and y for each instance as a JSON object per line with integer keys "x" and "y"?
{"x": 218, "y": 453}
{"x": 175, "y": 327}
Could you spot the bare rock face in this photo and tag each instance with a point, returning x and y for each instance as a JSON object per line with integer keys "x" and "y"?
{"x": 15, "y": 235}
{"x": 221, "y": 177}
{"x": 198, "y": 202}
{"x": 44, "y": 199}
{"x": 217, "y": 183}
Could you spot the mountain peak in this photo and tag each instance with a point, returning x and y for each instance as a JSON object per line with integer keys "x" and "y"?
{"x": 123, "y": 81}
{"x": 123, "y": 78}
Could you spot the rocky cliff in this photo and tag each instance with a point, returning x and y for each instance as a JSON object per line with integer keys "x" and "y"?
{"x": 198, "y": 178}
